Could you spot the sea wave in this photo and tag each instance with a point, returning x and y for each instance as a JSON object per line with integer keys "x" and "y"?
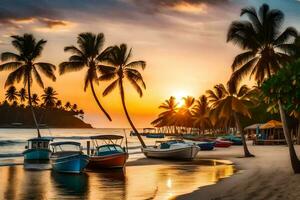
{"x": 11, "y": 142}
{"x": 9, "y": 155}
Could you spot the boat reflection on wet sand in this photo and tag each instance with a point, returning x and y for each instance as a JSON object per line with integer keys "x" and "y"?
{"x": 156, "y": 181}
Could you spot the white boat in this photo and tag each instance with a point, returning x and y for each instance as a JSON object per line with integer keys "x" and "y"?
{"x": 172, "y": 149}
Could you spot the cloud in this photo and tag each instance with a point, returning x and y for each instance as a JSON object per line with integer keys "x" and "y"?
{"x": 19, "y": 13}
{"x": 192, "y": 6}
{"x": 51, "y": 23}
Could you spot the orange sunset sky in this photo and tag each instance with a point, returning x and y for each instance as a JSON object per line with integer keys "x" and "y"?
{"x": 182, "y": 41}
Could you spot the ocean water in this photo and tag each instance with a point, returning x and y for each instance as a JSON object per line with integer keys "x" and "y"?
{"x": 13, "y": 141}
{"x": 142, "y": 178}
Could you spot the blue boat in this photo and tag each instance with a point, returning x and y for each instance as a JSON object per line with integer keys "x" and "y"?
{"x": 235, "y": 140}
{"x": 67, "y": 157}
{"x": 155, "y": 135}
{"x": 37, "y": 149}
{"x": 206, "y": 146}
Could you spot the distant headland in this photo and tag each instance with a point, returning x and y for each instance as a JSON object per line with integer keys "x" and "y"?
{"x": 50, "y": 111}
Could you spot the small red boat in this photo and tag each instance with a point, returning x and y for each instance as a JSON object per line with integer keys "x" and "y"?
{"x": 108, "y": 155}
{"x": 222, "y": 143}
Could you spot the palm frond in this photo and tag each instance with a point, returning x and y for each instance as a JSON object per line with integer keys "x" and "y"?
{"x": 38, "y": 78}
{"x": 70, "y": 67}
{"x": 286, "y": 35}
{"x": 136, "y": 76}
{"x": 252, "y": 15}
{"x": 136, "y": 64}
{"x": 74, "y": 50}
{"x": 103, "y": 69}
{"x": 15, "y": 76}
{"x": 6, "y": 56}
{"x": 110, "y": 87}
{"x": 237, "y": 75}
{"x": 107, "y": 76}
{"x": 136, "y": 86}
{"x": 10, "y": 66}
{"x": 242, "y": 59}
{"x": 47, "y": 69}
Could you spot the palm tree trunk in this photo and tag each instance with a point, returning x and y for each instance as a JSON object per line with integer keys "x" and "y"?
{"x": 31, "y": 108}
{"x": 293, "y": 156}
{"x": 98, "y": 102}
{"x": 127, "y": 114}
{"x": 239, "y": 128}
{"x": 298, "y": 132}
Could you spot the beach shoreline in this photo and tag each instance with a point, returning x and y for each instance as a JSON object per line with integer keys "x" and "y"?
{"x": 267, "y": 176}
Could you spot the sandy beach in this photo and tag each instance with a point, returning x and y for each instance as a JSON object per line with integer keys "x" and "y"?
{"x": 267, "y": 176}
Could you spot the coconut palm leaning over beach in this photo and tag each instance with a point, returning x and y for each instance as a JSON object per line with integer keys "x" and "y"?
{"x": 118, "y": 57}
{"x": 266, "y": 47}
{"x": 87, "y": 54}
{"x": 24, "y": 66}
{"x": 234, "y": 102}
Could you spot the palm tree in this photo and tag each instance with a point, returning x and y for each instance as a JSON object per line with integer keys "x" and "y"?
{"x": 49, "y": 97}
{"x": 122, "y": 68}
{"x": 35, "y": 99}
{"x": 235, "y": 102}
{"x": 183, "y": 116}
{"x": 68, "y": 105}
{"x": 214, "y": 96}
{"x": 24, "y": 66}
{"x": 164, "y": 118}
{"x": 58, "y": 104}
{"x": 11, "y": 94}
{"x": 86, "y": 55}
{"x": 201, "y": 111}
{"x": 23, "y": 95}
{"x": 266, "y": 47}
{"x": 297, "y": 49}
{"x": 74, "y": 107}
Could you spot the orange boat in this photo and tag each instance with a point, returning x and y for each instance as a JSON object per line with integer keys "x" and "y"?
{"x": 109, "y": 154}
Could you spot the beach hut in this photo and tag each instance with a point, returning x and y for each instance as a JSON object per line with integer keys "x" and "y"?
{"x": 252, "y": 130}
{"x": 270, "y": 133}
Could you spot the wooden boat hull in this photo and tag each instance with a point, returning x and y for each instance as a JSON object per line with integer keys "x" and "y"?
{"x": 109, "y": 161}
{"x": 70, "y": 164}
{"x": 183, "y": 153}
{"x": 37, "y": 154}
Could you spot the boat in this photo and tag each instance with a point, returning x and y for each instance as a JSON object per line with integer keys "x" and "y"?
{"x": 235, "y": 140}
{"x": 172, "y": 149}
{"x": 155, "y": 135}
{"x": 222, "y": 143}
{"x": 68, "y": 157}
{"x": 108, "y": 152}
{"x": 206, "y": 146}
{"x": 37, "y": 149}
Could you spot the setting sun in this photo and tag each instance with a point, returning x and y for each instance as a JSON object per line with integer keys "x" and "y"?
{"x": 179, "y": 95}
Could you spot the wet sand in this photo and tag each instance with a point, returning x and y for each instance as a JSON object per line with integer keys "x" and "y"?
{"x": 267, "y": 176}
{"x": 141, "y": 179}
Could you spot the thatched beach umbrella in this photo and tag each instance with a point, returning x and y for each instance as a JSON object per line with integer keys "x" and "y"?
{"x": 271, "y": 124}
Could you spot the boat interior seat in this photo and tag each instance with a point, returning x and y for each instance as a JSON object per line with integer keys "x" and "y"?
{"x": 165, "y": 145}
{"x": 109, "y": 150}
